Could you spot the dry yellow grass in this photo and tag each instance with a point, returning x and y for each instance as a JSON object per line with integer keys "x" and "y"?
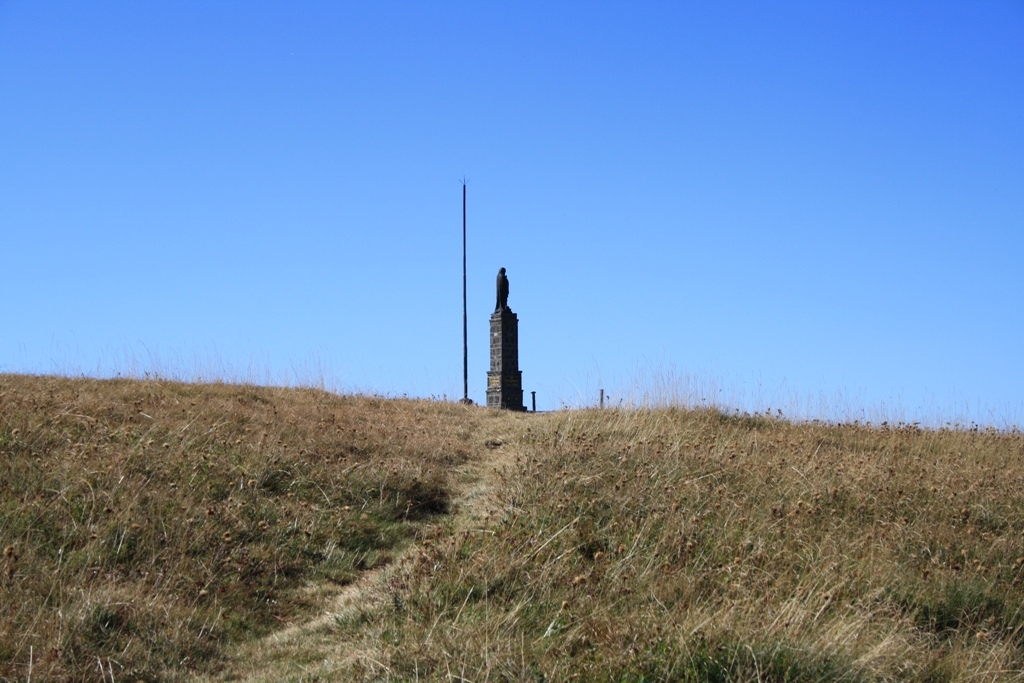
{"x": 675, "y": 545}
{"x": 617, "y": 545}
{"x": 151, "y": 525}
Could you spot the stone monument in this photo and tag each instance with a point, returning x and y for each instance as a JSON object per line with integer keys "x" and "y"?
{"x": 504, "y": 380}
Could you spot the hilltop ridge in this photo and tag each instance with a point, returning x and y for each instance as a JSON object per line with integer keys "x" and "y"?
{"x": 166, "y": 531}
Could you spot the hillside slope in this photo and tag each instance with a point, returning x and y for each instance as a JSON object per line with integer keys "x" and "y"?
{"x": 165, "y": 531}
{"x": 149, "y": 526}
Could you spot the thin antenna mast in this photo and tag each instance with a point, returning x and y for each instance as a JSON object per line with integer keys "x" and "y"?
{"x": 465, "y": 331}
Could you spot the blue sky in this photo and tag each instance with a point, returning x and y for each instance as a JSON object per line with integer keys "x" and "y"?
{"x": 817, "y": 206}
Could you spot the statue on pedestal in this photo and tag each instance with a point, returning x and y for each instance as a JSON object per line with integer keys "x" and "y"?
{"x": 504, "y": 379}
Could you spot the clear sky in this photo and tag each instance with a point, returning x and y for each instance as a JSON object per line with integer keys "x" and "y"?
{"x": 817, "y": 206}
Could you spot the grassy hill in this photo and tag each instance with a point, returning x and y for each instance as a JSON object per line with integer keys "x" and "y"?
{"x": 161, "y": 531}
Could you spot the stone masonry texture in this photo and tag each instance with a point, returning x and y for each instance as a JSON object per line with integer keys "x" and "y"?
{"x": 504, "y": 380}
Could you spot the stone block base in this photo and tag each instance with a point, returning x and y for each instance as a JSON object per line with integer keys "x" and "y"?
{"x": 505, "y": 390}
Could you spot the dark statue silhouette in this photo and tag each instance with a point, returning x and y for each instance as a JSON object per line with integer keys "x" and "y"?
{"x": 502, "y": 303}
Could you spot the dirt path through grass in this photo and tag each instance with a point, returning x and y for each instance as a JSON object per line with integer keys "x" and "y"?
{"x": 333, "y": 642}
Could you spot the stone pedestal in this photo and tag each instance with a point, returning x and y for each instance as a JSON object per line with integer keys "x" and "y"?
{"x": 504, "y": 380}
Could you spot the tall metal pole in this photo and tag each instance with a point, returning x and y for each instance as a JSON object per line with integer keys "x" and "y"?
{"x": 465, "y": 332}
